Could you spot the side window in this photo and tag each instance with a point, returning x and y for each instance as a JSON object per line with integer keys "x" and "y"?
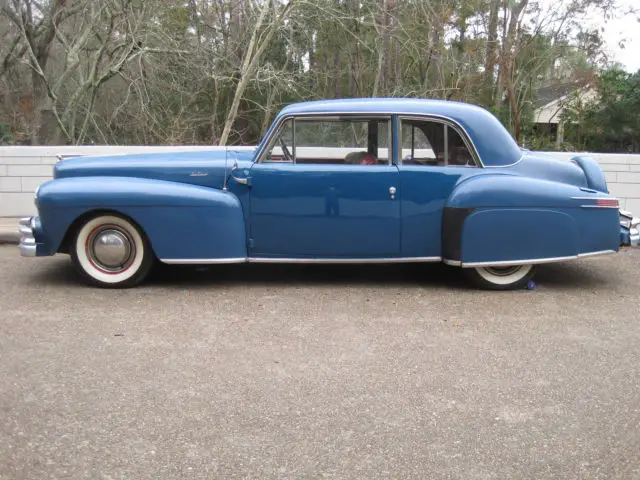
{"x": 432, "y": 143}
{"x": 342, "y": 141}
{"x": 459, "y": 154}
{"x": 416, "y": 147}
{"x": 280, "y": 148}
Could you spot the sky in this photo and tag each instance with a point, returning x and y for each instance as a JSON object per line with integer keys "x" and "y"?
{"x": 623, "y": 28}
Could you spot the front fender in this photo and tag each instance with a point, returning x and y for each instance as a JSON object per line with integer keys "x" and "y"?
{"x": 181, "y": 221}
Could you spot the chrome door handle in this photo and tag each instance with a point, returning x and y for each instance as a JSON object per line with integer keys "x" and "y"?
{"x": 241, "y": 181}
{"x": 392, "y": 192}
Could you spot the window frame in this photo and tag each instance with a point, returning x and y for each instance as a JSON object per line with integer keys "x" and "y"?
{"x": 447, "y": 124}
{"x": 331, "y": 118}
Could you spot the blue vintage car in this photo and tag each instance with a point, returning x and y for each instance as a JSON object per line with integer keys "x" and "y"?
{"x": 340, "y": 181}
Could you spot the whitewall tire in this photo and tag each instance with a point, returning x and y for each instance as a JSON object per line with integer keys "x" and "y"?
{"x": 109, "y": 251}
{"x": 501, "y": 277}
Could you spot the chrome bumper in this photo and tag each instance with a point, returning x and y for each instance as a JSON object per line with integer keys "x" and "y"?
{"x": 629, "y": 229}
{"x": 27, "y": 239}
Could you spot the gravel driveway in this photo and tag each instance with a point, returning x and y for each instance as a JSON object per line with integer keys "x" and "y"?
{"x": 258, "y": 371}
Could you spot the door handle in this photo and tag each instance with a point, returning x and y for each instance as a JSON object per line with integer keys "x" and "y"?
{"x": 241, "y": 181}
{"x": 392, "y": 192}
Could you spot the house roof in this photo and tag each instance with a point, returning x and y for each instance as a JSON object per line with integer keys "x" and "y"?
{"x": 546, "y": 95}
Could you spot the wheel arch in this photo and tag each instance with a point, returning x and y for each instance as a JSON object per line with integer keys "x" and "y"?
{"x": 81, "y": 219}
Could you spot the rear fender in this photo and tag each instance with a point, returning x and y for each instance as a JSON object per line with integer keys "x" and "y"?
{"x": 182, "y": 222}
{"x": 593, "y": 173}
{"x": 503, "y": 218}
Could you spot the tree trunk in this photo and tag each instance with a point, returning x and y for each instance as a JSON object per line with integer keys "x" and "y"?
{"x": 250, "y": 61}
{"x": 492, "y": 46}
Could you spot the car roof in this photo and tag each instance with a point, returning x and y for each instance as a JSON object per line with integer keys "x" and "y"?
{"x": 494, "y": 143}
{"x": 375, "y": 105}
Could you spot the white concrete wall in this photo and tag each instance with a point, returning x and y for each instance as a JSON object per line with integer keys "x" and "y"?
{"x": 22, "y": 169}
{"x": 622, "y": 172}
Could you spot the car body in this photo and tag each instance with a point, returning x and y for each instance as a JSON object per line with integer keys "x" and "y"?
{"x": 335, "y": 181}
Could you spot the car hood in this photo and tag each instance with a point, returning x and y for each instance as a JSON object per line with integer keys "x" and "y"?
{"x": 205, "y": 168}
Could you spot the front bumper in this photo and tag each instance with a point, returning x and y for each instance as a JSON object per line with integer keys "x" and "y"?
{"x": 28, "y": 245}
{"x": 629, "y": 229}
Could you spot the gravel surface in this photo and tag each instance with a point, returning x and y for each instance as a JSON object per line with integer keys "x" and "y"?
{"x": 258, "y": 371}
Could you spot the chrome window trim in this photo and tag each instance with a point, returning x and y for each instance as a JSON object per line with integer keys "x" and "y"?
{"x": 195, "y": 261}
{"x": 531, "y": 261}
{"x": 261, "y": 154}
{"x": 509, "y": 165}
{"x": 474, "y": 151}
{"x": 448, "y": 122}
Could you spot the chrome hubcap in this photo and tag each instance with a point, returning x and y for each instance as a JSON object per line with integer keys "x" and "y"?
{"x": 110, "y": 249}
{"x": 503, "y": 271}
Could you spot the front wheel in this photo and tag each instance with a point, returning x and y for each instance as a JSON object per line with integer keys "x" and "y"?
{"x": 109, "y": 251}
{"x": 501, "y": 278}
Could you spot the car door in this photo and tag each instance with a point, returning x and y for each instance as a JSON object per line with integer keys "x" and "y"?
{"x": 326, "y": 189}
{"x": 434, "y": 155}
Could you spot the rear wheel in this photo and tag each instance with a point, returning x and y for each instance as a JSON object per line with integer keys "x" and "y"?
{"x": 501, "y": 277}
{"x": 109, "y": 251}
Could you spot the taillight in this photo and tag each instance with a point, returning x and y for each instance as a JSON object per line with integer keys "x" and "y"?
{"x": 607, "y": 202}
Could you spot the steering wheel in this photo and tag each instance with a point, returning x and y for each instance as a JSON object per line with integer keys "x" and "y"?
{"x": 285, "y": 151}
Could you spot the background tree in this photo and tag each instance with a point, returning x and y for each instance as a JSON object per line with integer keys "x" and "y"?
{"x": 610, "y": 122}
{"x": 216, "y": 71}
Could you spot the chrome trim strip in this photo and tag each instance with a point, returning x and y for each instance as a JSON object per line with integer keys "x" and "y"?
{"x": 196, "y": 261}
{"x": 343, "y": 260}
{"x": 598, "y": 206}
{"x": 201, "y": 261}
{"x": 593, "y": 254}
{"x": 509, "y": 165}
{"x": 506, "y": 263}
{"x": 453, "y": 263}
{"x": 533, "y": 261}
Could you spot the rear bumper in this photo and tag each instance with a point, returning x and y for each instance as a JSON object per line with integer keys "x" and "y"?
{"x": 629, "y": 229}
{"x": 28, "y": 246}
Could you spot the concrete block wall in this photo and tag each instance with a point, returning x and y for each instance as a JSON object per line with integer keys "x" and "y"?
{"x": 622, "y": 172}
{"x": 22, "y": 169}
